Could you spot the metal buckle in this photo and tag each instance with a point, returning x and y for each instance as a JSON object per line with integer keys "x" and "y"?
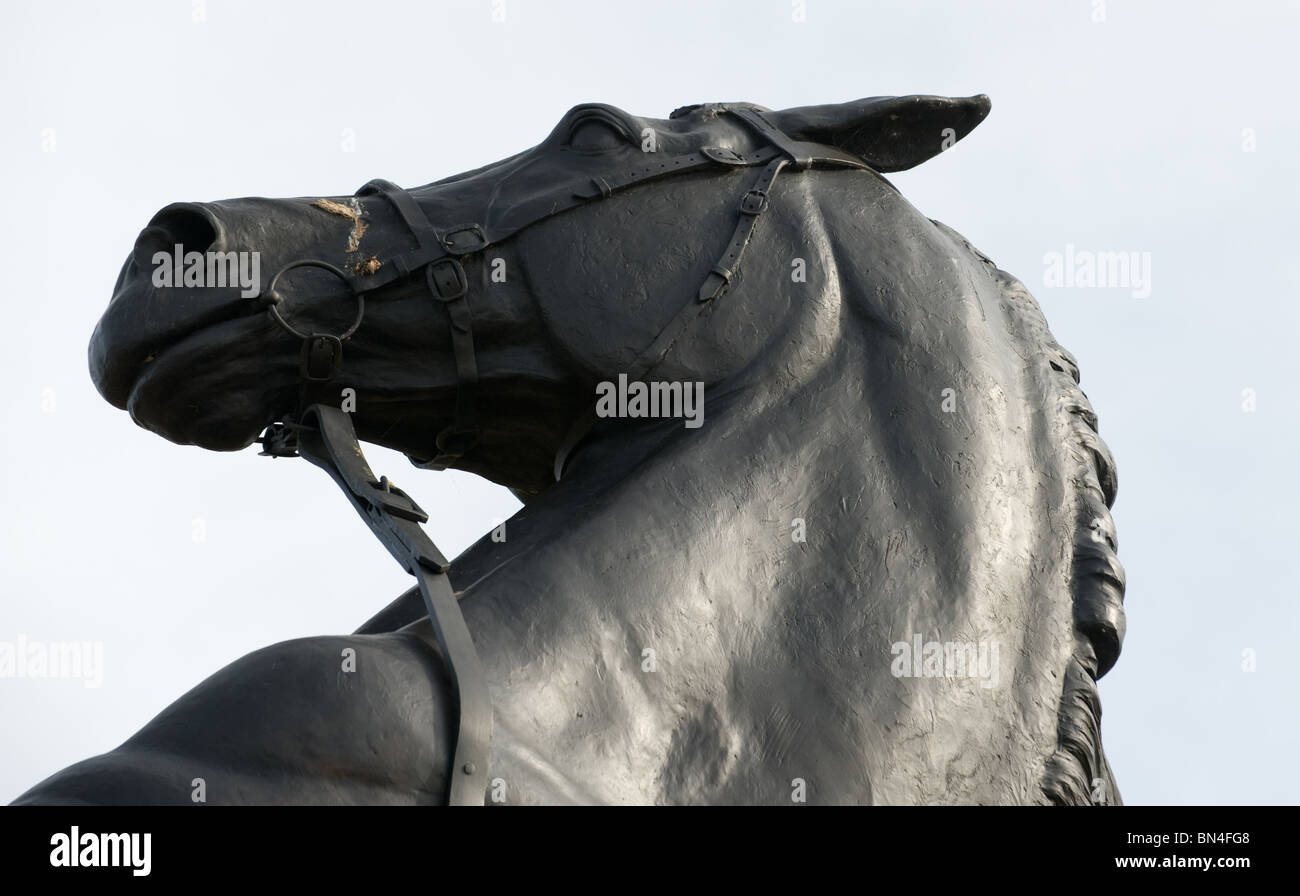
{"x": 754, "y": 202}
{"x": 397, "y": 502}
{"x": 447, "y": 279}
{"x": 465, "y": 239}
{"x": 321, "y": 357}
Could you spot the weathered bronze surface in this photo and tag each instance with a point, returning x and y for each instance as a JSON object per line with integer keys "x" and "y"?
{"x": 876, "y": 565}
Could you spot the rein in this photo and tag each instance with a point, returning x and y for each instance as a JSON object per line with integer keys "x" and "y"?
{"x": 324, "y": 435}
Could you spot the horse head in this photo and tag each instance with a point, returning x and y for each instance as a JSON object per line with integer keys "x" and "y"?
{"x": 557, "y": 305}
{"x": 879, "y": 560}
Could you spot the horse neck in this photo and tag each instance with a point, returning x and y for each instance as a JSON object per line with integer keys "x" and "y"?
{"x": 750, "y": 577}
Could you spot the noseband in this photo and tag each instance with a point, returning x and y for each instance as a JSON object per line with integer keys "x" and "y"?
{"x": 323, "y": 434}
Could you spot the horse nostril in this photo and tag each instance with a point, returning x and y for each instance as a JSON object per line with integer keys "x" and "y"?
{"x": 185, "y": 224}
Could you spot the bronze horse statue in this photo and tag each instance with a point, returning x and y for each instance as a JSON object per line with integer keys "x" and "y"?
{"x": 879, "y": 570}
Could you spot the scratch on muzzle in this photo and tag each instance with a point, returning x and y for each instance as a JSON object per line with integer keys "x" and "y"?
{"x": 351, "y": 212}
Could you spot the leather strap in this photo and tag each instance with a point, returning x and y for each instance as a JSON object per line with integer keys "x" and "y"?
{"x": 331, "y": 443}
{"x": 446, "y": 281}
{"x": 752, "y": 204}
{"x": 412, "y": 215}
{"x": 463, "y": 433}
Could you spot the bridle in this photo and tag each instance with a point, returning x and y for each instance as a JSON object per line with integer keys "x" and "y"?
{"x": 322, "y": 432}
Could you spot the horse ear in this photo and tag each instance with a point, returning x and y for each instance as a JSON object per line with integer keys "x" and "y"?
{"x": 890, "y": 133}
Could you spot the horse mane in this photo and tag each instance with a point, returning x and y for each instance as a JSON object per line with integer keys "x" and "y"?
{"x": 1077, "y": 772}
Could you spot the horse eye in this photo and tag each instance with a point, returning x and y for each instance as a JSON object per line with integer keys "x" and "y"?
{"x": 593, "y": 135}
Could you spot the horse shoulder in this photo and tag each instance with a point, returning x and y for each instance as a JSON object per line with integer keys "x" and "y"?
{"x": 359, "y": 719}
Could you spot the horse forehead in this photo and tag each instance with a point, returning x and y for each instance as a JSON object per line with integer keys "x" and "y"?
{"x": 687, "y": 131}
{"x": 699, "y": 122}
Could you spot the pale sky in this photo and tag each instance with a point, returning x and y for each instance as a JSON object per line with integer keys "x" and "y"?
{"x": 1166, "y": 128}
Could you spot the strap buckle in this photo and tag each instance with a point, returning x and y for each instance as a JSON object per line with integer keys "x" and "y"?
{"x": 754, "y": 202}
{"x": 466, "y": 239}
{"x": 396, "y": 501}
{"x": 321, "y": 358}
{"x": 447, "y": 279}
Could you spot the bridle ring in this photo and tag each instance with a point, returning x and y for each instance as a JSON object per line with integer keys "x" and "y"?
{"x": 273, "y": 301}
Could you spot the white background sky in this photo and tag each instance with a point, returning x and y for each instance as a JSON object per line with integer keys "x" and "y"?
{"x": 1124, "y": 135}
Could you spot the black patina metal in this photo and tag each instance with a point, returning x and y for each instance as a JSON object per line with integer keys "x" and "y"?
{"x": 324, "y": 434}
{"x": 776, "y": 652}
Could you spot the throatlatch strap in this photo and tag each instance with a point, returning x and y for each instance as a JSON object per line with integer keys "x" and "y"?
{"x": 752, "y": 204}
{"x": 395, "y": 520}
